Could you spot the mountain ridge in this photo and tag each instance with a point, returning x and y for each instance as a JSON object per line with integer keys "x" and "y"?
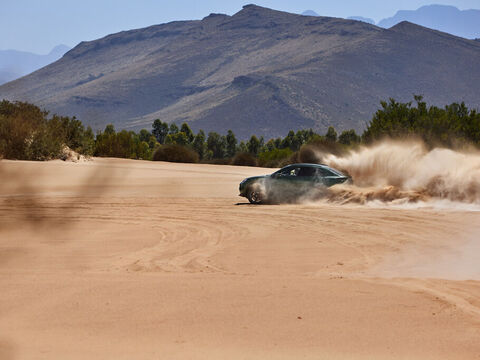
{"x": 259, "y": 71}
{"x": 446, "y": 18}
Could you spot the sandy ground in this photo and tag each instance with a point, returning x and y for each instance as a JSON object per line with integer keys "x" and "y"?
{"x": 119, "y": 259}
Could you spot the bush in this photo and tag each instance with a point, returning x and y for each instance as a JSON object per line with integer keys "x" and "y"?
{"x": 244, "y": 159}
{"x": 27, "y": 133}
{"x": 175, "y": 153}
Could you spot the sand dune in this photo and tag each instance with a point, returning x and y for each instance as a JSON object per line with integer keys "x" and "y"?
{"x": 119, "y": 259}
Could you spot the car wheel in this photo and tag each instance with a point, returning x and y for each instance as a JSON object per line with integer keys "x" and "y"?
{"x": 254, "y": 196}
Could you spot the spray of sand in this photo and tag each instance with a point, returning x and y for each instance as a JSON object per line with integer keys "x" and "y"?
{"x": 406, "y": 172}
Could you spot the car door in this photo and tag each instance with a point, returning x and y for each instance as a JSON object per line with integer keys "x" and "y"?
{"x": 283, "y": 182}
{"x": 307, "y": 177}
{"x": 294, "y": 181}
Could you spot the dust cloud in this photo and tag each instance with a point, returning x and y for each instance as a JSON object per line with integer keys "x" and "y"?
{"x": 406, "y": 173}
{"x": 460, "y": 261}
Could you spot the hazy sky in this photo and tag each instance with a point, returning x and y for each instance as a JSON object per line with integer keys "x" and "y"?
{"x": 39, "y": 25}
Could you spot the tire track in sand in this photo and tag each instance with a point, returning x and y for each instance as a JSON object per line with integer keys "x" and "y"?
{"x": 184, "y": 245}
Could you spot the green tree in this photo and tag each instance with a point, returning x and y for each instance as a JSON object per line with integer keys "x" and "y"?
{"x": 270, "y": 145}
{"x": 160, "y": 130}
{"x": 242, "y": 147}
{"x": 143, "y": 151}
{"x": 88, "y": 142}
{"x": 231, "y": 144}
{"x": 297, "y": 141}
{"x": 253, "y": 145}
{"x": 153, "y": 143}
{"x": 216, "y": 144}
{"x": 173, "y": 129}
{"x": 331, "y": 134}
{"x": 109, "y": 129}
{"x": 349, "y": 137}
{"x": 188, "y": 132}
{"x": 199, "y": 144}
{"x": 144, "y": 135}
{"x": 181, "y": 139}
{"x": 288, "y": 142}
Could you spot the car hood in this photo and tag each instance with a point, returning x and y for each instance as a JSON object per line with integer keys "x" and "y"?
{"x": 258, "y": 177}
{"x": 253, "y": 178}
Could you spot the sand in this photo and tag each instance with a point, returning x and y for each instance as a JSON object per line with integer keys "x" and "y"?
{"x": 120, "y": 259}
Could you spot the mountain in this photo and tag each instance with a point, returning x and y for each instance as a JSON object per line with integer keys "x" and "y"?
{"x": 361, "y": 18}
{"x": 358, "y": 18}
{"x": 310, "y": 13}
{"x": 15, "y": 64}
{"x": 259, "y": 71}
{"x": 464, "y": 23}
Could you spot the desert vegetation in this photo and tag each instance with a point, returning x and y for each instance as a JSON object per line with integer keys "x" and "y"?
{"x": 29, "y": 133}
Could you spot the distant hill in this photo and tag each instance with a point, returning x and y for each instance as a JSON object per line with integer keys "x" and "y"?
{"x": 15, "y": 64}
{"x": 310, "y": 13}
{"x": 464, "y": 23}
{"x": 259, "y": 71}
{"x": 361, "y": 18}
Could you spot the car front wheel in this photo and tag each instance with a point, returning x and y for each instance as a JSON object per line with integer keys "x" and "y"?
{"x": 254, "y": 196}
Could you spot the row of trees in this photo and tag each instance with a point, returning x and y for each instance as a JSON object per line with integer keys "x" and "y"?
{"x": 27, "y": 132}
{"x": 450, "y": 126}
{"x": 125, "y": 144}
{"x": 226, "y": 148}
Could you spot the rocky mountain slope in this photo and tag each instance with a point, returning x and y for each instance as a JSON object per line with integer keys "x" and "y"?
{"x": 259, "y": 71}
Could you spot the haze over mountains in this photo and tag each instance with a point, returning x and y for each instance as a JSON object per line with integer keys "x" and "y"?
{"x": 464, "y": 23}
{"x": 15, "y": 64}
{"x": 361, "y": 18}
{"x": 449, "y": 19}
{"x": 259, "y": 71}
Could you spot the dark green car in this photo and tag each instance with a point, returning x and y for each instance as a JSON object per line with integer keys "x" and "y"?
{"x": 290, "y": 182}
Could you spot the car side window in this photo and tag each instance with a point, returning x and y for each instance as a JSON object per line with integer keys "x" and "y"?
{"x": 307, "y": 172}
{"x": 289, "y": 172}
{"x": 284, "y": 172}
{"x": 324, "y": 172}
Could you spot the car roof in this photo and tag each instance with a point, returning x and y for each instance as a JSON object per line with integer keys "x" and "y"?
{"x": 308, "y": 165}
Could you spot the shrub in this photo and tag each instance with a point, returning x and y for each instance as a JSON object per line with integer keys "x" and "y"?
{"x": 244, "y": 159}
{"x": 175, "y": 153}
{"x": 27, "y": 133}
